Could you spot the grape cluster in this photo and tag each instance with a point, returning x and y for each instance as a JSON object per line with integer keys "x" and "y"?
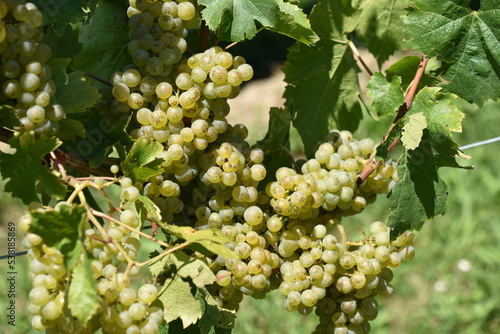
{"x": 181, "y": 103}
{"x": 25, "y": 75}
{"x": 122, "y": 309}
{"x": 362, "y": 274}
{"x": 329, "y": 181}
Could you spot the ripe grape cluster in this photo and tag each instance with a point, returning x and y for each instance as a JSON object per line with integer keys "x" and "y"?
{"x": 329, "y": 181}
{"x": 26, "y": 76}
{"x": 285, "y": 233}
{"x": 122, "y": 308}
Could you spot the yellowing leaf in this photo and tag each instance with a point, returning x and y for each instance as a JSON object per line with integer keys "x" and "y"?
{"x": 413, "y": 130}
{"x": 212, "y": 239}
{"x": 179, "y": 302}
{"x": 195, "y": 268}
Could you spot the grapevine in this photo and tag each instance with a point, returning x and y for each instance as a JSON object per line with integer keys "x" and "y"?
{"x": 228, "y": 218}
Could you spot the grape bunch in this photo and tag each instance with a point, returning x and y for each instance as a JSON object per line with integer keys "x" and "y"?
{"x": 329, "y": 181}
{"x": 26, "y": 76}
{"x": 122, "y": 309}
{"x": 180, "y": 103}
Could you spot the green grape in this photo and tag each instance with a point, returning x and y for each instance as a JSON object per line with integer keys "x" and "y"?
{"x": 164, "y": 90}
{"x": 39, "y": 296}
{"x": 186, "y": 10}
{"x": 246, "y": 71}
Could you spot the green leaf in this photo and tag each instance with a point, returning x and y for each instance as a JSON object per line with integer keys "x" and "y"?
{"x": 387, "y": 96}
{"x": 466, "y": 41}
{"x": 215, "y": 320}
{"x": 380, "y": 27}
{"x": 70, "y": 128}
{"x": 382, "y": 149}
{"x": 276, "y": 144}
{"x": 8, "y": 118}
{"x": 66, "y": 47}
{"x": 292, "y": 22}
{"x": 212, "y": 239}
{"x": 104, "y": 41}
{"x": 195, "y": 268}
{"x": 406, "y": 68}
{"x": 234, "y": 20}
{"x": 62, "y": 230}
{"x": 413, "y": 130}
{"x": 24, "y": 168}
{"x": 420, "y": 194}
{"x": 82, "y": 295}
{"x": 152, "y": 213}
{"x": 443, "y": 118}
{"x": 178, "y": 301}
{"x": 74, "y": 91}
{"x": 60, "y": 13}
{"x": 323, "y": 89}
{"x": 100, "y": 136}
{"x": 141, "y": 162}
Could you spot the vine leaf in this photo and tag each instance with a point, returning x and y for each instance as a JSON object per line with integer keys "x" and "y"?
{"x": 62, "y": 47}
{"x": 74, "y": 92}
{"x": 104, "y": 42}
{"x": 178, "y": 301}
{"x": 235, "y": 19}
{"x": 413, "y": 130}
{"x": 406, "y": 68}
{"x": 276, "y": 144}
{"x": 141, "y": 162}
{"x": 212, "y": 239}
{"x": 380, "y": 27}
{"x": 421, "y": 194}
{"x": 387, "y": 96}
{"x": 59, "y": 13}
{"x": 443, "y": 117}
{"x": 292, "y": 22}
{"x": 467, "y": 41}
{"x": 195, "y": 268}
{"x": 24, "y": 168}
{"x": 215, "y": 319}
{"x": 153, "y": 212}
{"x": 100, "y": 136}
{"x": 323, "y": 88}
{"x": 70, "y": 128}
{"x": 82, "y": 294}
{"x": 61, "y": 230}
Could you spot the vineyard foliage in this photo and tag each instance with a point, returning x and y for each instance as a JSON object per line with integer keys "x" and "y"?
{"x": 109, "y": 97}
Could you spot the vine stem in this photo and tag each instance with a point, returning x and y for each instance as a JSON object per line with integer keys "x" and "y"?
{"x": 343, "y": 235}
{"x": 359, "y": 58}
{"x": 170, "y": 251}
{"x": 105, "y": 216}
{"x": 204, "y": 36}
{"x": 96, "y": 78}
{"x": 370, "y": 166}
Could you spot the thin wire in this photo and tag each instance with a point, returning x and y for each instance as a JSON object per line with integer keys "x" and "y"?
{"x": 16, "y": 254}
{"x": 480, "y": 143}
